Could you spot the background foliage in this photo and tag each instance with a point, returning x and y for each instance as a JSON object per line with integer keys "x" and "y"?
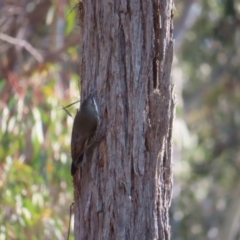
{"x": 39, "y": 73}
{"x": 207, "y": 159}
{"x": 35, "y": 82}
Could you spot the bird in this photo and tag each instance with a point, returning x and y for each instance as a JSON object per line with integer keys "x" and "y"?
{"x": 85, "y": 128}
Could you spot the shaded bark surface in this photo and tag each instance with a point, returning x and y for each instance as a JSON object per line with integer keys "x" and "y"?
{"x": 123, "y": 189}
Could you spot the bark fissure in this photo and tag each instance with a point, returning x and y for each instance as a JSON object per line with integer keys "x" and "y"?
{"x": 157, "y": 30}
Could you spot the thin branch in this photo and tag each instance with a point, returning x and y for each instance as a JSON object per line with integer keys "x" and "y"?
{"x": 70, "y": 41}
{"x": 24, "y": 44}
{"x": 70, "y": 217}
{"x": 65, "y": 108}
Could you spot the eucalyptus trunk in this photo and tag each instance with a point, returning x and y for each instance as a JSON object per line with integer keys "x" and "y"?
{"x": 123, "y": 188}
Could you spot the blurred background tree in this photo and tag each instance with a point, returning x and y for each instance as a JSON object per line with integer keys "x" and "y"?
{"x": 207, "y": 154}
{"x": 39, "y": 73}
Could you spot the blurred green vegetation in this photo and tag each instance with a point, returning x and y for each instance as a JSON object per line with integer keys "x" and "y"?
{"x": 35, "y": 183}
{"x": 207, "y": 167}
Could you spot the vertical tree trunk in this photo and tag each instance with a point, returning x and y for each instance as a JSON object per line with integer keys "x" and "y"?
{"x": 123, "y": 188}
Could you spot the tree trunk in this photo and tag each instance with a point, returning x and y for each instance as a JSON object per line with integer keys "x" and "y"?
{"x": 123, "y": 189}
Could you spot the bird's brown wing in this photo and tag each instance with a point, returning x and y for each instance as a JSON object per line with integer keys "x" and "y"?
{"x": 92, "y": 136}
{"x": 77, "y": 146}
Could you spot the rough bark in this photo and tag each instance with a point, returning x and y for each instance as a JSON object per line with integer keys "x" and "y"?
{"x": 123, "y": 189}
